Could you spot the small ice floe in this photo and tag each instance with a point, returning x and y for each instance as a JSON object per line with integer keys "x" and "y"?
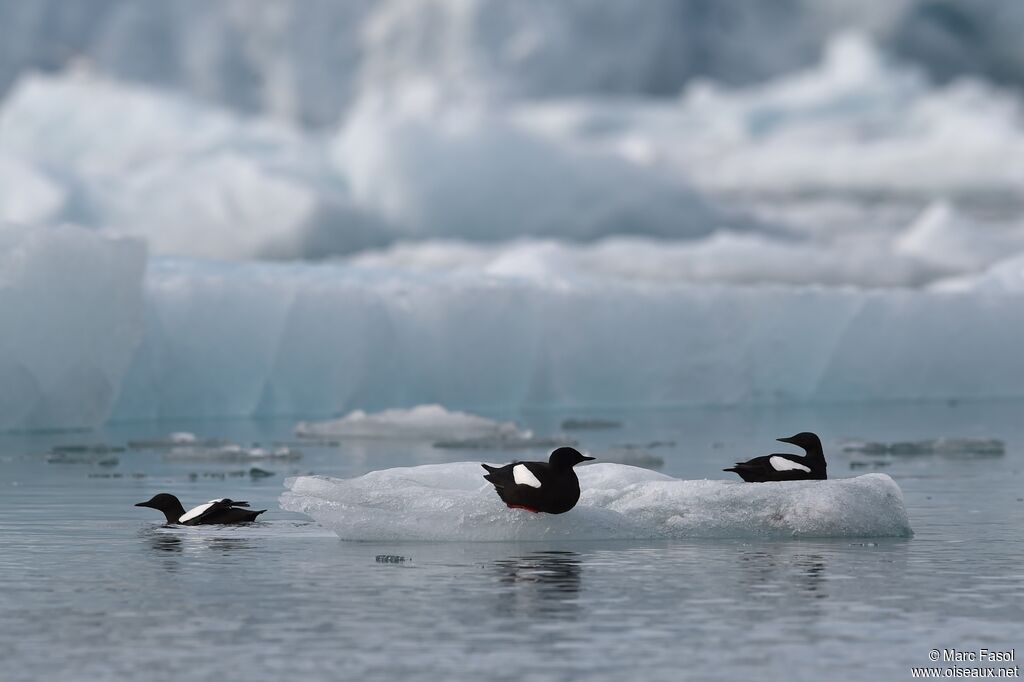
{"x": 452, "y": 502}
{"x": 649, "y": 445}
{"x": 232, "y": 452}
{"x": 634, "y": 458}
{"x": 176, "y": 440}
{"x": 100, "y": 449}
{"x": 254, "y": 473}
{"x": 967, "y": 447}
{"x": 513, "y": 441}
{"x": 423, "y": 422}
{"x": 583, "y": 424}
{"x": 101, "y": 458}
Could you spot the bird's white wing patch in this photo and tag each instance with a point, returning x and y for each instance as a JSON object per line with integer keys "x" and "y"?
{"x": 783, "y": 464}
{"x": 195, "y": 512}
{"x": 524, "y": 476}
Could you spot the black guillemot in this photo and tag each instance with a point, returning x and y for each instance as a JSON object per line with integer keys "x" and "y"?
{"x": 550, "y": 487}
{"x": 787, "y": 467}
{"x": 221, "y": 511}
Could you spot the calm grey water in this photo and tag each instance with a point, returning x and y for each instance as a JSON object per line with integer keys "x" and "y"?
{"x": 92, "y": 588}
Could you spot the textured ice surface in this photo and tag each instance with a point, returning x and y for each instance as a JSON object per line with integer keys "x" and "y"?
{"x": 423, "y": 422}
{"x": 71, "y": 311}
{"x": 451, "y": 502}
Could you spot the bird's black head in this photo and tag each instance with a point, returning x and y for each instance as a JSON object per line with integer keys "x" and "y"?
{"x": 806, "y": 440}
{"x": 166, "y": 503}
{"x": 567, "y": 458}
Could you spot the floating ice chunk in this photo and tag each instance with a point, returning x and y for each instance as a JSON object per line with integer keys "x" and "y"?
{"x": 174, "y": 440}
{"x": 929, "y": 446}
{"x": 423, "y": 422}
{"x": 232, "y": 452}
{"x": 591, "y": 424}
{"x": 451, "y": 502}
{"x": 633, "y": 458}
{"x": 506, "y": 441}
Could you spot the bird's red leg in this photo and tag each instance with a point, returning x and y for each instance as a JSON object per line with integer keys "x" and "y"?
{"x": 523, "y": 506}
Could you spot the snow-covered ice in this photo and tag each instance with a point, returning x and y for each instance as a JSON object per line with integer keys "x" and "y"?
{"x": 423, "y": 422}
{"x": 452, "y": 502}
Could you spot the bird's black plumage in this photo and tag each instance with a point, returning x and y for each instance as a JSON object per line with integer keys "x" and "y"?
{"x": 550, "y": 487}
{"x": 214, "y": 512}
{"x": 786, "y": 467}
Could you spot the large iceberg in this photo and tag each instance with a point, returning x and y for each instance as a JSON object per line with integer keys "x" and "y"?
{"x": 307, "y": 61}
{"x": 196, "y": 181}
{"x": 855, "y": 123}
{"x": 452, "y": 502}
{"x": 72, "y": 310}
{"x": 269, "y": 339}
{"x": 188, "y": 178}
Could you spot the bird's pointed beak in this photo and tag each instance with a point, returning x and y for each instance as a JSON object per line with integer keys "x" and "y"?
{"x": 587, "y": 459}
{"x": 785, "y": 440}
{"x": 142, "y": 504}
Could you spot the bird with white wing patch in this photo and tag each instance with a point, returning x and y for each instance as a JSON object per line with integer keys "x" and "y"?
{"x": 550, "y": 487}
{"x": 787, "y": 467}
{"x": 221, "y": 511}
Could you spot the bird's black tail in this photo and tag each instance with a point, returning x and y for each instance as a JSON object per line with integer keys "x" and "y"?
{"x": 493, "y": 475}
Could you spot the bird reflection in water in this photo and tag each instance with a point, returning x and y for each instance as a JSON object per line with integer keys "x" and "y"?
{"x": 170, "y": 546}
{"x": 781, "y": 572}
{"x": 540, "y": 583}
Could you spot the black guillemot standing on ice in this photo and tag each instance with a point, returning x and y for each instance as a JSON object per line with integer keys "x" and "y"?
{"x": 786, "y": 467}
{"x": 213, "y": 512}
{"x": 550, "y": 487}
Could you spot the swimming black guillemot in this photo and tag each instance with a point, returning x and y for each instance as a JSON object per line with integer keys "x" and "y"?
{"x": 786, "y": 467}
{"x": 550, "y": 487}
{"x": 221, "y": 511}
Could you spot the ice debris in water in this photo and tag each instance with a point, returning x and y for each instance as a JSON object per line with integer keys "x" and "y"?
{"x": 232, "y": 452}
{"x": 506, "y": 441}
{"x": 633, "y": 458}
{"x": 452, "y": 502}
{"x": 593, "y": 424}
{"x": 175, "y": 440}
{"x": 423, "y": 422}
{"x": 929, "y": 446}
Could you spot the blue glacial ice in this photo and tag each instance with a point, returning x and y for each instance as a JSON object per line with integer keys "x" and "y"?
{"x": 452, "y": 502}
{"x": 72, "y": 310}
{"x": 266, "y": 339}
{"x": 491, "y": 257}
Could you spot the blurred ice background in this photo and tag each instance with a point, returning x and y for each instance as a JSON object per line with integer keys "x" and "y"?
{"x": 264, "y": 208}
